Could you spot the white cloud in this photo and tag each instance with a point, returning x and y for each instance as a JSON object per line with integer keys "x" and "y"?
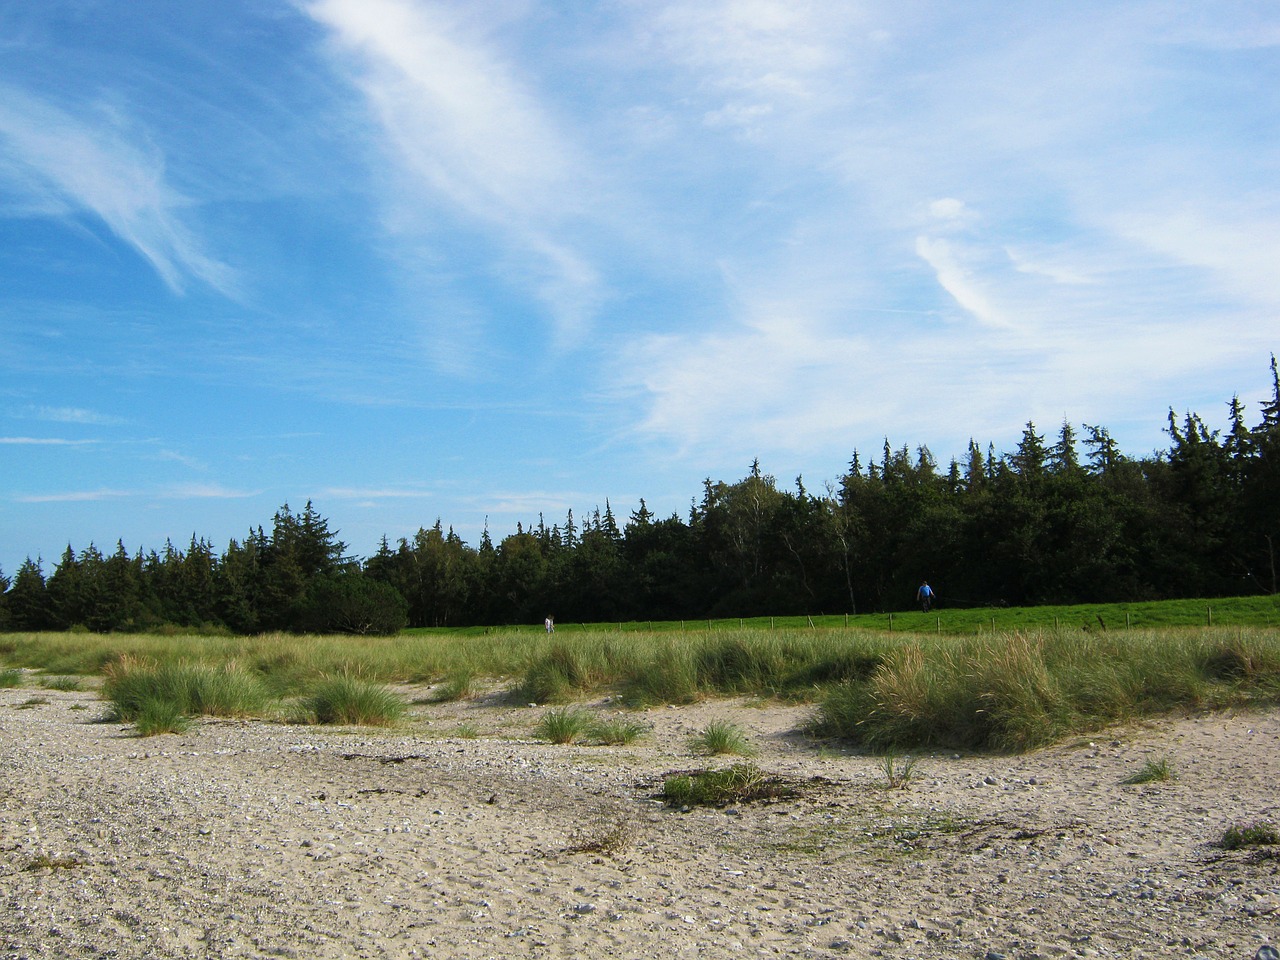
{"x": 92, "y": 163}
{"x": 44, "y": 441}
{"x": 957, "y": 279}
{"x": 461, "y": 122}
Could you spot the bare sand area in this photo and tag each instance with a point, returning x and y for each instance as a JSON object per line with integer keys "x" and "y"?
{"x": 460, "y": 835}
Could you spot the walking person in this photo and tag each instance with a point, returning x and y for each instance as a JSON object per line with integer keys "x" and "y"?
{"x": 550, "y": 624}
{"x": 925, "y": 596}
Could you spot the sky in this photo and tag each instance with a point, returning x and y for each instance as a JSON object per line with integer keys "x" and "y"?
{"x": 482, "y": 260}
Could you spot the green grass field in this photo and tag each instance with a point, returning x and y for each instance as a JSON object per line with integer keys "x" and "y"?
{"x": 1008, "y": 679}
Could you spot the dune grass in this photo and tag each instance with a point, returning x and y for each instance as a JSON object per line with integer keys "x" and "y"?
{"x": 354, "y": 701}
{"x": 138, "y": 688}
{"x": 887, "y": 691}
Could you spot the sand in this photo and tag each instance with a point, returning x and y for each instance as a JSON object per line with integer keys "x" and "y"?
{"x": 460, "y": 835}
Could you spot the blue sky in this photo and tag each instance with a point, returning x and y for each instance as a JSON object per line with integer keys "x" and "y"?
{"x": 414, "y": 259}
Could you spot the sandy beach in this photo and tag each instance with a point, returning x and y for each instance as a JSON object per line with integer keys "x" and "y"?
{"x": 459, "y": 834}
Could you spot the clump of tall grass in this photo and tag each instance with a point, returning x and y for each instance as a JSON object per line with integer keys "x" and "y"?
{"x": 563, "y": 726}
{"x": 191, "y": 689}
{"x": 618, "y": 731}
{"x": 563, "y": 672}
{"x": 10, "y": 677}
{"x": 160, "y": 716}
{"x": 460, "y": 685}
{"x": 1019, "y": 691}
{"x": 721, "y": 737}
{"x": 350, "y": 700}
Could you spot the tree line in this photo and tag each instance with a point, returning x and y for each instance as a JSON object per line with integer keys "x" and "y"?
{"x": 1066, "y": 520}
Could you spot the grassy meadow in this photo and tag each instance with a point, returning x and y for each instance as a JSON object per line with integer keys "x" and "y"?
{"x": 1001, "y": 680}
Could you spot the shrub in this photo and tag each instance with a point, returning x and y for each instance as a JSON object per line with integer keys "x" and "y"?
{"x": 10, "y": 677}
{"x": 344, "y": 699}
{"x": 353, "y": 603}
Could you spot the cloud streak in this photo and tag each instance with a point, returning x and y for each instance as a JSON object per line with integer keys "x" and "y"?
{"x": 92, "y": 164}
{"x": 460, "y": 122}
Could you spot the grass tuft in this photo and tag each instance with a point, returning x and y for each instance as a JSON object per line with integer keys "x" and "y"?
{"x": 1153, "y": 771}
{"x": 564, "y": 726}
{"x": 10, "y": 677}
{"x": 741, "y": 783}
{"x": 898, "y": 771}
{"x": 618, "y": 731}
{"x": 63, "y": 683}
{"x": 721, "y": 737}
{"x": 348, "y": 700}
{"x": 1239, "y": 836}
{"x": 161, "y": 716}
{"x": 457, "y": 686}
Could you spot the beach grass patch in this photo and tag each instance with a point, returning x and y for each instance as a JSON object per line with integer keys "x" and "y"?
{"x": 740, "y": 783}
{"x": 1240, "y": 836}
{"x": 723, "y": 737}
{"x": 1153, "y": 771}
{"x": 563, "y": 726}
{"x": 348, "y": 700}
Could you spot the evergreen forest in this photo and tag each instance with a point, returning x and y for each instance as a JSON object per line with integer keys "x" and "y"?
{"x": 1061, "y": 519}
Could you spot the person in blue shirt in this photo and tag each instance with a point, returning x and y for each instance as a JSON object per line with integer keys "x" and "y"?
{"x": 925, "y": 596}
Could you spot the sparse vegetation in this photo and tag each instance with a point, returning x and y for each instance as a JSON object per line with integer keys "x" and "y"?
{"x": 888, "y": 692}
{"x": 740, "y": 783}
{"x": 610, "y": 833}
{"x": 45, "y": 862}
{"x": 1240, "y": 836}
{"x": 721, "y": 737}
{"x": 898, "y": 771}
{"x": 64, "y": 683}
{"x": 1154, "y": 771}
{"x": 564, "y": 725}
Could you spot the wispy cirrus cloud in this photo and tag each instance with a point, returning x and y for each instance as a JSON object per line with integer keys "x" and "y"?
{"x": 45, "y": 441}
{"x": 76, "y": 415}
{"x": 199, "y": 491}
{"x": 461, "y": 124}
{"x": 92, "y": 162}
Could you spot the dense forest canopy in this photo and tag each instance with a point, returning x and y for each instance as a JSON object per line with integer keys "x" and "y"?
{"x": 1061, "y": 519}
